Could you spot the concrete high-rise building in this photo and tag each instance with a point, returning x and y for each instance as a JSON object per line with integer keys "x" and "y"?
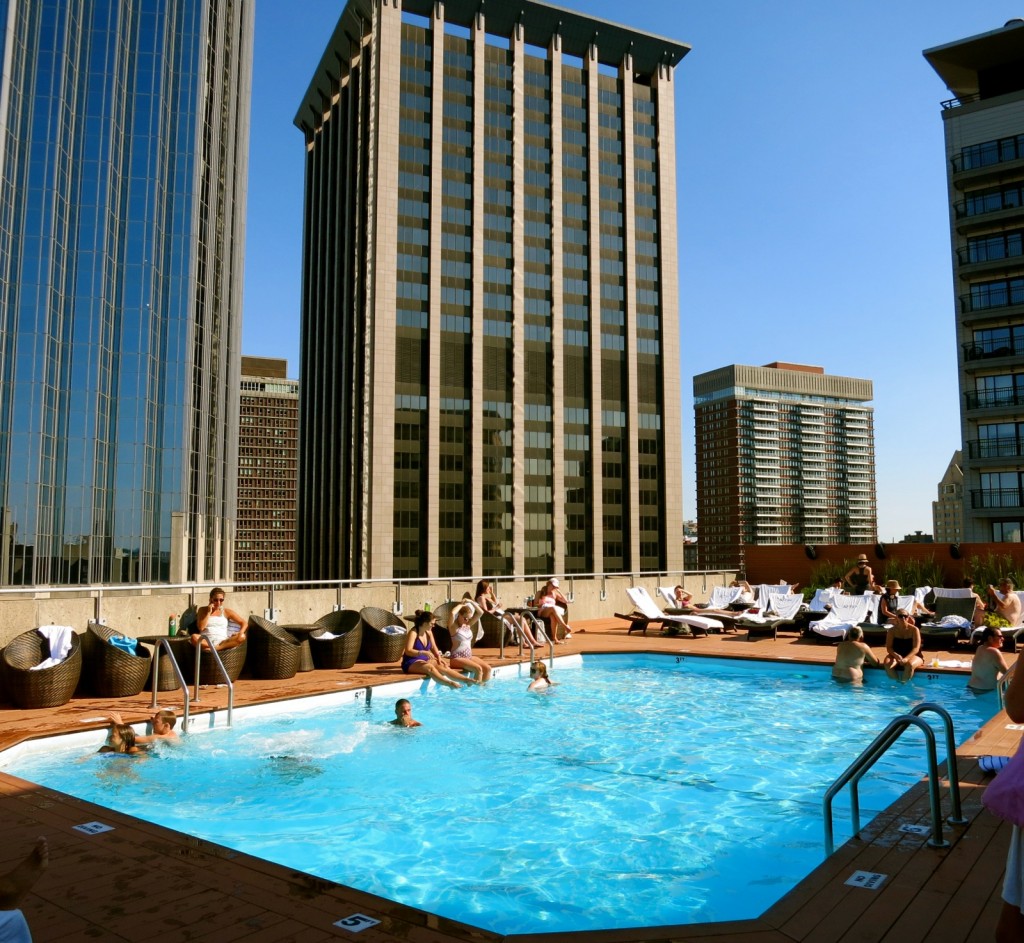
{"x": 123, "y": 166}
{"x": 785, "y": 455}
{"x": 490, "y": 356}
{"x": 268, "y": 472}
{"x": 948, "y": 510}
{"x": 984, "y": 132}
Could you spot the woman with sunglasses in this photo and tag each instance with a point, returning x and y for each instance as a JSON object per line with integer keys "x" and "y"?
{"x": 214, "y": 620}
{"x": 860, "y": 578}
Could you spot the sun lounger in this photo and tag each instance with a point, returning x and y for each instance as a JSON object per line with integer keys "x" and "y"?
{"x": 648, "y": 614}
{"x": 782, "y": 612}
{"x": 846, "y": 612}
{"x": 954, "y": 612}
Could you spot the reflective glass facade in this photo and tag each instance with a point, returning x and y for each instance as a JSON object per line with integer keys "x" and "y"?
{"x": 123, "y": 163}
{"x": 490, "y": 353}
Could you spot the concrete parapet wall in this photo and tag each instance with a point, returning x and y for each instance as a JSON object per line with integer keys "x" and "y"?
{"x": 146, "y": 611}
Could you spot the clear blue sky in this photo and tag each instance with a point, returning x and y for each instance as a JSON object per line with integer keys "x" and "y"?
{"x": 813, "y": 222}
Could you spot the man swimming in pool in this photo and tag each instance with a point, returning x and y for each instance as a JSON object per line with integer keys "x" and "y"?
{"x": 851, "y": 655}
{"x": 403, "y": 714}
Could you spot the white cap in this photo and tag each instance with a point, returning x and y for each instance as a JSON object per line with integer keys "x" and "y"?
{"x": 554, "y": 582}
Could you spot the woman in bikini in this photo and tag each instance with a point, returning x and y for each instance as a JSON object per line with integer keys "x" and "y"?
{"x": 421, "y": 656}
{"x": 460, "y": 624}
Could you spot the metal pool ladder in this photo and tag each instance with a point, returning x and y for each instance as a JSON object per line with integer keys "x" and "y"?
{"x": 874, "y": 752}
{"x": 184, "y": 686}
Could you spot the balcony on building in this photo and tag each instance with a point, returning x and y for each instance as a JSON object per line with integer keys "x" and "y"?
{"x": 994, "y": 161}
{"x": 982, "y": 498}
{"x": 1001, "y": 447}
{"x": 993, "y": 399}
{"x": 985, "y": 354}
{"x": 1002, "y": 298}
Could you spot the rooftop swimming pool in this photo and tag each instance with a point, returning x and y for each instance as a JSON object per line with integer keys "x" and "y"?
{"x": 642, "y": 791}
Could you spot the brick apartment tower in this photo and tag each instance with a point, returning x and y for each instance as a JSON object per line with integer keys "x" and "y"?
{"x": 268, "y": 472}
{"x": 490, "y": 354}
{"x": 785, "y": 455}
{"x": 984, "y": 131}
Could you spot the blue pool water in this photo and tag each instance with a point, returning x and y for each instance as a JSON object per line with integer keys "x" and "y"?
{"x": 645, "y": 790}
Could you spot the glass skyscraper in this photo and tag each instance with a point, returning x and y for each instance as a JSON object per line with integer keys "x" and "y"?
{"x": 490, "y": 350}
{"x": 123, "y": 169}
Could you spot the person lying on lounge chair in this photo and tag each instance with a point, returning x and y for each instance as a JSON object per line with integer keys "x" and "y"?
{"x": 682, "y": 597}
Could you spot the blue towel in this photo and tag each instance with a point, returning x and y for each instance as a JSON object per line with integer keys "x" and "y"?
{"x": 124, "y": 643}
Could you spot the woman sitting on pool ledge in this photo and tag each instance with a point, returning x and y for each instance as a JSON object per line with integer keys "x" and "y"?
{"x": 460, "y": 623}
{"x": 421, "y": 656}
{"x": 851, "y": 655}
{"x": 902, "y": 647}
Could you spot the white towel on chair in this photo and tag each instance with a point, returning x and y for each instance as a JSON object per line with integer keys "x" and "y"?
{"x": 59, "y": 639}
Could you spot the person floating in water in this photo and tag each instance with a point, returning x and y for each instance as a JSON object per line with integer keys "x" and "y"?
{"x": 403, "y": 714}
{"x": 540, "y": 679}
{"x": 851, "y": 655}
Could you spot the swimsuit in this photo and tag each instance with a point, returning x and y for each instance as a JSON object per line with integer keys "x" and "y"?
{"x": 902, "y": 646}
{"x": 462, "y": 639}
{"x": 216, "y": 629}
{"x": 422, "y": 646}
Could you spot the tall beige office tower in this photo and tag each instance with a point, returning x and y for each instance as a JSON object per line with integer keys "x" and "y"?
{"x": 268, "y": 472}
{"x": 490, "y": 355}
{"x": 984, "y": 131}
{"x": 785, "y": 455}
{"x": 948, "y": 509}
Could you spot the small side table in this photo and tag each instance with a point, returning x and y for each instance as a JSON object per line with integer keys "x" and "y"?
{"x": 180, "y": 644}
{"x": 302, "y": 633}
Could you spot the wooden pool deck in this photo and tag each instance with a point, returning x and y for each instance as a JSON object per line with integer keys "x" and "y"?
{"x": 140, "y": 882}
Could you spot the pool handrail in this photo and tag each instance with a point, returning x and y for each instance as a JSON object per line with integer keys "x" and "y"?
{"x": 182, "y": 683}
{"x": 875, "y": 750}
{"x": 211, "y": 650}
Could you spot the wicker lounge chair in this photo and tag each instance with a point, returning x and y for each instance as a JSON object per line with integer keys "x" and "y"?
{"x": 111, "y": 671}
{"x": 47, "y": 687}
{"x": 342, "y": 651}
{"x": 442, "y": 636}
{"x": 274, "y": 654}
{"x": 377, "y": 644}
{"x": 233, "y": 658}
